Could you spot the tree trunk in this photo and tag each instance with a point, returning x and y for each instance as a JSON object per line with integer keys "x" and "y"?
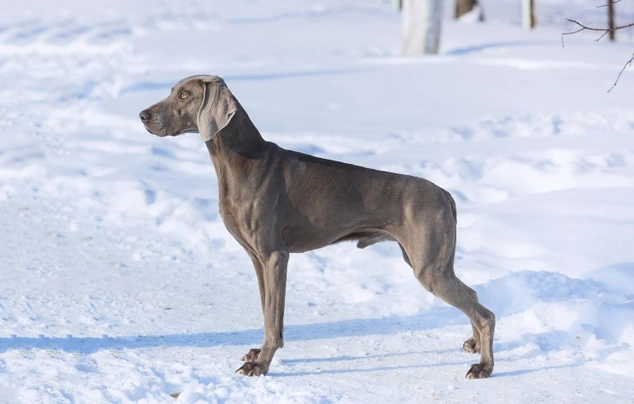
{"x": 528, "y": 14}
{"x": 611, "y": 22}
{"x": 463, "y": 7}
{"x": 421, "y": 26}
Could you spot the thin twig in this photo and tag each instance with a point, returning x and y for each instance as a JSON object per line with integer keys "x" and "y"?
{"x": 604, "y": 31}
{"x": 608, "y": 4}
{"x": 569, "y": 33}
{"x": 628, "y": 63}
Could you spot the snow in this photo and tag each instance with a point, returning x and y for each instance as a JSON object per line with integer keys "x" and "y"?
{"x": 121, "y": 284}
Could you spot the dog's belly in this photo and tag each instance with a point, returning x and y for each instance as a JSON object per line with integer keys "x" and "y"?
{"x": 301, "y": 239}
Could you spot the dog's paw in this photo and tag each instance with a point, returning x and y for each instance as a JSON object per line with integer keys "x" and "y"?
{"x": 251, "y": 356}
{"x": 479, "y": 371}
{"x": 470, "y": 346}
{"x": 252, "y": 369}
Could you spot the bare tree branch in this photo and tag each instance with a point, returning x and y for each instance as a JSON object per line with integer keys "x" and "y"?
{"x": 628, "y": 63}
{"x": 604, "y": 31}
{"x": 608, "y": 4}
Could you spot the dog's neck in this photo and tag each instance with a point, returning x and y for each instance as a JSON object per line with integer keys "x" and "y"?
{"x": 236, "y": 148}
{"x": 240, "y": 137}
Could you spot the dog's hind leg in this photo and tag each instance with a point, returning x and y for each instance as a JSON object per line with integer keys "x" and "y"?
{"x": 455, "y": 293}
{"x": 472, "y": 345}
{"x": 443, "y": 283}
{"x": 432, "y": 253}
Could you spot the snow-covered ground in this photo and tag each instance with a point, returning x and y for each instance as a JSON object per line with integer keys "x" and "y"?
{"x": 120, "y": 283}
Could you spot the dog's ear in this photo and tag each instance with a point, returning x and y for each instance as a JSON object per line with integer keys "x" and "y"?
{"x": 216, "y": 109}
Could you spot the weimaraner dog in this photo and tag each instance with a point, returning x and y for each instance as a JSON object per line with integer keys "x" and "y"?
{"x": 276, "y": 201}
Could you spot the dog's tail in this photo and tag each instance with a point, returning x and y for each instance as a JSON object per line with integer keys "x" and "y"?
{"x": 452, "y": 202}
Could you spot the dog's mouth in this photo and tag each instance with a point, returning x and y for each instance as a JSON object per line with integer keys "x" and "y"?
{"x": 158, "y": 134}
{"x": 155, "y": 131}
{"x": 155, "y": 128}
{"x": 165, "y": 134}
{"x": 151, "y": 132}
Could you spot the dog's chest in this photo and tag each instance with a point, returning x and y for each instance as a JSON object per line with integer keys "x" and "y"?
{"x": 229, "y": 219}
{"x": 238, "y": 222}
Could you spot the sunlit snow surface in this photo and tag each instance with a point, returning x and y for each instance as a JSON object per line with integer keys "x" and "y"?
{"x": 121, "y": 284}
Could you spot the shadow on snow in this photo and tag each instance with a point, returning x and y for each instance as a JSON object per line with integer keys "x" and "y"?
{"x": 346, "y": 328}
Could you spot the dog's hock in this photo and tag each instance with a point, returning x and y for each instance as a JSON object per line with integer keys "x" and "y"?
{"x": 216, "y": 109}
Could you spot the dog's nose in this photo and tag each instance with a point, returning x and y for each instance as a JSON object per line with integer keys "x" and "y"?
{"x": 144, "y": 115}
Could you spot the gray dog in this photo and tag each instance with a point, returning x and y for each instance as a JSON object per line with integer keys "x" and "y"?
{"x": 276, "y": 201}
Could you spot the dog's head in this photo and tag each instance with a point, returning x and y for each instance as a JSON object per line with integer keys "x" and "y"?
{"x": 199, "y": 103}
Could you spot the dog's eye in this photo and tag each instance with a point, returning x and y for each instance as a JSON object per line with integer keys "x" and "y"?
{"x": 182, "y": 96}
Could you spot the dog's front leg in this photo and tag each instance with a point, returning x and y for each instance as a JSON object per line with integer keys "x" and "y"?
{"x": 253, "y": 353}
{"x": 273, "y": 294}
